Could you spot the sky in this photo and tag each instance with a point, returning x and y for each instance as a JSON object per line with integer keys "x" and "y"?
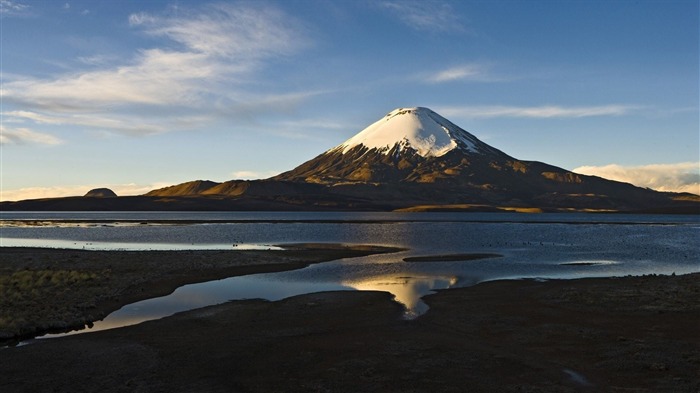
{"x": 136, "y": 95}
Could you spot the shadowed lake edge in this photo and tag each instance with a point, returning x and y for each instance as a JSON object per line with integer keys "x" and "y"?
{"x": 44, "y": 290}
{"x": 452, "y": 257}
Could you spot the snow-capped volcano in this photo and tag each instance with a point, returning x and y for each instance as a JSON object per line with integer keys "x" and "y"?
{"x": 421, "y": 129}
{"x": 406, "y": 145}
{"x": 413, "y": 158}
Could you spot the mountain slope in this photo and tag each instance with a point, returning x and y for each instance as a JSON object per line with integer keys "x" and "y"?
{"x": 190, "y": 188}
{"x": 412, "y": 158}
{"x": 414, "y": 155}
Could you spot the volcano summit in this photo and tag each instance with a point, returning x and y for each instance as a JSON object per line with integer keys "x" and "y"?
{"x": 420, "y": 129}
{"x": 410, "y": 159}
{"x": 408, "y": 144}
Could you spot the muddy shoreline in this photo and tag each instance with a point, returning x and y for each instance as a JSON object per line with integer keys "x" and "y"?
{"x": 45, "y": 290}
{"x": 628, "y": 334}
{"x": 164, "y": 222}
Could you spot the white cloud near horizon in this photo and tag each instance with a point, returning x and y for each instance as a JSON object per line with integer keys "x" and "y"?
{"x": 426, "y": 15}
{"x": 253, "y": 175}
{"x": 542, "y": 112}
{"x": 24, "y": 136}
{"x": 76, "y": 190}
{"x": 678, "y": 177}
{"x": 211, "y": 55}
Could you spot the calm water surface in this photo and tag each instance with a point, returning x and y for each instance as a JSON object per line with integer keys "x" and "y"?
{"x": 533, "y": 246}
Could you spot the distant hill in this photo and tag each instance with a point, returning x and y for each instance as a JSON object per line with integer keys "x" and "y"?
{"x": 100, "y": 193}
{"x": 412, "y": 159}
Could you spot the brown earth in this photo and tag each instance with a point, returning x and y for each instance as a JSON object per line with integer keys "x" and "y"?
{"x": 632, "y": 334}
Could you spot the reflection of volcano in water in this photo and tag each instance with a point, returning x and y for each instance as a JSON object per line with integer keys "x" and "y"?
{"x": 407, "y": 290}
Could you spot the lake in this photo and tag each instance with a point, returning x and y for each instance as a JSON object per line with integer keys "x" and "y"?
{"x": 542, "y": 246}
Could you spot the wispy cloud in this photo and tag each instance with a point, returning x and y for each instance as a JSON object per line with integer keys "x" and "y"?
{"x": 8, "y": 7}
{"x": 220, "y": 48}
{"x": 547, "y": 111}
{"x": 457, "y": 73}
{"x": 324, "y": 124}
{"x": 679, "y": 177}
{"x": 255, "y": 104}
{"x": 124, "y": 124}
{"x": 308, "y": 129}
{"x": 434, "y": 16}
{"x": 230, "y": 31}
{"x": 76, "y": 190}
{"x": 470, "y": 72}
{"x": 99, "y": 59}
{"x": 24, "y": 136}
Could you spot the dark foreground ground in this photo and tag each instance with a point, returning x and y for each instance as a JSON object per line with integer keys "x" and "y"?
{"x": 633, "y": 334}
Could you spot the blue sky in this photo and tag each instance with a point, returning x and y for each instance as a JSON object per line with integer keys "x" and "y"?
{"x": 135, "y": 95}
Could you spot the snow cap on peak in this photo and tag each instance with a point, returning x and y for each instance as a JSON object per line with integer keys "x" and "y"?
{"x": 421, "y": 129}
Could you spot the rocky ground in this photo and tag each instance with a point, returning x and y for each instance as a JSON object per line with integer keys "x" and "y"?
{"x": 631, "y": 334}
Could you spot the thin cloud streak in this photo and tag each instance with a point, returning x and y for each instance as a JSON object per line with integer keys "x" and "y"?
{"x": 426, "y": 15}
{"x": 542, "y": 112}
{"x": 470, "y": 72}
{"x": 679, "y": 177}
{"x": 126, "y": 124}
{"x": 25, "y": 136}
{"x": 457, "y": 73}
{"x": 308, "y": 129}
{"x": 324, "y": 124}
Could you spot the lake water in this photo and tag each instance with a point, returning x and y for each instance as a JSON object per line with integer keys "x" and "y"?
{"x": 541, "y": 246}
